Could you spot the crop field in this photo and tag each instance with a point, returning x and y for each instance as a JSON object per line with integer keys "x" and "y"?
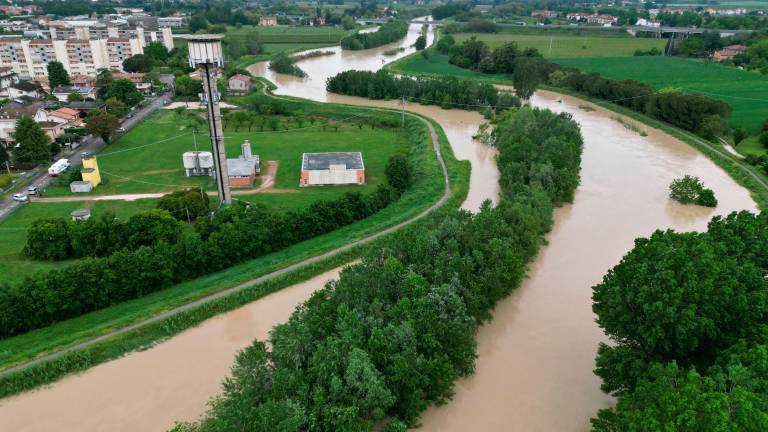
{"x": 746, "y": 92}
{"x": 561, "y": 46}
{"x": 290, "y": 34}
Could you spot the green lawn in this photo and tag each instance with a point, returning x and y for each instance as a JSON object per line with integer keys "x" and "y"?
{"x": 560, "y": 46}
{"x": 291, "y": 34}
{"x": 752, "y": 146}
{"x": 148, "y": 158}
{"x": 746, "y": 92}
{"x": 13, "y": 231}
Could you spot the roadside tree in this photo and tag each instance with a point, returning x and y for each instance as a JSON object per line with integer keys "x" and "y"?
{"x": 101, "y": 124}
{"x": 33, "y": 143}
{"x": 125, "y": 91}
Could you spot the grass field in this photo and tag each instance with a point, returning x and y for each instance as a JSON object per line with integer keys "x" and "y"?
{"x": 290, "y": 34}
{"x": 560, "y": 46}
{"x": 746, "y": 92}
{"x": 148, "y": 158}
{"x": 13, "y": 231}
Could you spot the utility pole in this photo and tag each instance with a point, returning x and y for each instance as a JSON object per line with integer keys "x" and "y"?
{"x": 205, "y": 52}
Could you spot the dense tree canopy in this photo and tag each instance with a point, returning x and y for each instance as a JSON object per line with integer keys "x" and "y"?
{"x": 57, "y": 75}
{"x": 448, "y": 92}
{"x": 31, "y": 140}
{"x": 687, "y": 316}
{"x": 101, "y": 124}
{"x": 387, "y": 33}
{"x": 125, "y": 91}
{"x": 138, "y": 63}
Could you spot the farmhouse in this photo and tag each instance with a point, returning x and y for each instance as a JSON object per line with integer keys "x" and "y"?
{"x": 239, "y": 85}
{"x": 332, "y": 169}
{"x": 243, "y": 170}
{"x": 268, "y": 21}
{"x": 728, "y": 52}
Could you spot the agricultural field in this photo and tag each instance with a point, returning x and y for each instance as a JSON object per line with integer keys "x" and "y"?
{"x": 569, "y": 46}
{"x": 291, "y": 34}
{"x": 746, "y": 92}
{"x": 13, "y": 231}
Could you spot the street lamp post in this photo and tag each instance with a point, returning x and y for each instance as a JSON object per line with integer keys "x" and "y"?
{"x": 205, "y": 53}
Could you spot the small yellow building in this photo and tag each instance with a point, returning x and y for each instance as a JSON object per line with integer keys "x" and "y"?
{"x": 91, "y": 170}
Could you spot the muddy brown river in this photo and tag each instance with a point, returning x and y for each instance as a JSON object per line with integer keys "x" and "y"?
{"x": 534, "y": 369}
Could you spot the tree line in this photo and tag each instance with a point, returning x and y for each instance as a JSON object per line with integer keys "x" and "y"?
{"x": 151, "y": 251}
{"x": 687, "y": 317}
{"x": 389, "y": 32}
{"x": 699, "y": 114}
{"x": 448, "y": 92}
{"x": 375, "y": 348}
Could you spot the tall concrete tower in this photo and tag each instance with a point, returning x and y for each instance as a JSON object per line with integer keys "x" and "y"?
{"x": 205, "y": 53}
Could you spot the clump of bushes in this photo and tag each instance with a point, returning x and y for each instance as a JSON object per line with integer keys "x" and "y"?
{"x": 690, "y": 190}
{"x": 387, "y": 33}
{"x": 186, "y": 205}
{"x": 5, "y": 180}
{"x": 282, "y": 63}
{"x": 127, "y": 259}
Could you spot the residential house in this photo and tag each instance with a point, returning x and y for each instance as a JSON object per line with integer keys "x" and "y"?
{"x": 52, "y": 129}
{"x": 239, "y": 85}
{"x": 642, "y": 22}
{"x": 62, "y": 92}
{"x": 268, "y": 21}
{"x": 25, "y": 88}
{"x": 544, "y": 14}
{"x": 137, "y": 79}
{"x": 66, "y": 116}
{"x": 13, "y": 112}
{"x": 84, "y": 107}
{"x": 728, "y": 52}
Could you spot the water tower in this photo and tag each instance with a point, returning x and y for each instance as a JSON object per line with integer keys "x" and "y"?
{"x": 205, "y": 53}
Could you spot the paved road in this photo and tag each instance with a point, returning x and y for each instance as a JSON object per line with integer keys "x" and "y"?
{"x": 175, "y": 311}
{"x": 90, "y": 144}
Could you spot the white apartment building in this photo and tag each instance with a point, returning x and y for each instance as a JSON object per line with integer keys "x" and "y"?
{"x": 82, "y": 48}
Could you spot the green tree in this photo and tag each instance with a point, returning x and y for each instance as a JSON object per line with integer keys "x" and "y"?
{"x": 4, "y": 157}
{"x": 197, "y": 23}
{"x": 57, "y": 75}
{"x": 103, "y": 82}
{"x": 186, "y": 205}
{"x": 101, "y": 124}
{"x": 138, "y": 63}
{"x": 763, "y": 139}
{"x": 348, "y": 22}
{"x": 156, "y": 51}
{"x": 125, "y": 91}
{"x": 739, "y": 134}
{"x": 399, "y": 173}
{"x": 690, "y": 190}
{"x": 525, "y": 77}
{"x": 188, "y": 87}
{"x": 115, "y": 107}
{"x": 48, "y": 239}
{"x": 421, "y": 43}
{"x": 32, "y": 142}
{"x": 75, "y": 97}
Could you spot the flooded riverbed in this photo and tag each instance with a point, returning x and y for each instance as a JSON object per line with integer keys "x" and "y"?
{"x": 534, "y": 370}
{"x": 151, "y": 390}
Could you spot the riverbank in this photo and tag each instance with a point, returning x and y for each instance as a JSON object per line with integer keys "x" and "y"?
{"x": 126, "y": 316}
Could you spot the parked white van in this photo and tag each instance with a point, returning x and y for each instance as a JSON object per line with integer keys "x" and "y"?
{"x": 58, "y": 167}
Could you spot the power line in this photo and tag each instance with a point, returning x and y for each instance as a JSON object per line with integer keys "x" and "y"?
{"x": 146, "y": 182}
{"x": 143, "y": 146}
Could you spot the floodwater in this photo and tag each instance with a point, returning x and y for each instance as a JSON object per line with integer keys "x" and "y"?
{"x": 534, "y": 369}
{"x": 151, "y": 390}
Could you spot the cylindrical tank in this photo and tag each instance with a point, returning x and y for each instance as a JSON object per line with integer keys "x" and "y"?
{"x": 206, "y": 159}
{"x": 189, "y": 159}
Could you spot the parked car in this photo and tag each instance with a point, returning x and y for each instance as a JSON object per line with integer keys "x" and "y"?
{"x": 32, "y": 190}
{"x": 121, "y": 130}
{"x": 20, "y": 197}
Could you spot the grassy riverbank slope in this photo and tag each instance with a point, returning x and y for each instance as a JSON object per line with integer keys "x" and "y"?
{"x": 428, "y": 188}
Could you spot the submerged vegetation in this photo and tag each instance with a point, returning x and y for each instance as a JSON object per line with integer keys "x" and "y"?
{"x": 282, "y": 63}
{"x": 446, "y": 92}
{"x": 387, "y": 33}
{"x": 690, "y": 190}
{"x": 392, "y": 335}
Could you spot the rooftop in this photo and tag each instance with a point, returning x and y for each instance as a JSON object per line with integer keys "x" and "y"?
{"x": 241, "y": 167}
{"x": 323, "y": 161}
{"x": 26, "y": 86}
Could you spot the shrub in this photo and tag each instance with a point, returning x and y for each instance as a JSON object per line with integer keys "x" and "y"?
{"x": 399, "y": 173}
{"x": 690, "y": 190}
{"x": 387, "y": 33}
{"x": 5, "y": 180}
{"x": 186, "y": 205}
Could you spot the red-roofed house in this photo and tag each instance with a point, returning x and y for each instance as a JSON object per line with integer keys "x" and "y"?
{"x": 728, "y": 52}
{"x": 239, "y": 85}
